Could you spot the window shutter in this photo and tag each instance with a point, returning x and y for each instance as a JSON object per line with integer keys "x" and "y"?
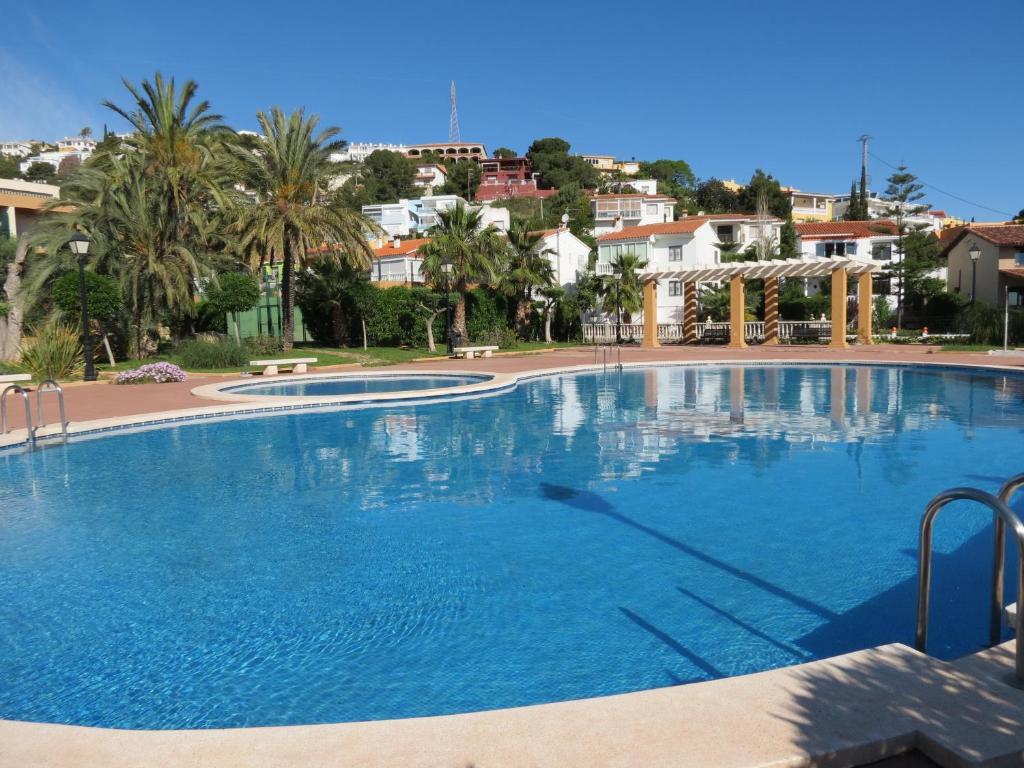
{"x": 819, "y": 249}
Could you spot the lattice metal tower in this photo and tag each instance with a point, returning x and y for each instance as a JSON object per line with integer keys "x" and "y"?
{"x": 453, "y": 123}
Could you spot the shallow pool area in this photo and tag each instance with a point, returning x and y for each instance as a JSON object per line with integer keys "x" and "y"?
{"x": 579, "y": 535}
{"x": 333, "y": 385}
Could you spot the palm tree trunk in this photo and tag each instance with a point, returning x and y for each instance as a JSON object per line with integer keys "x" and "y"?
{"x": 459, "y": 323}
{"x": 522, "y": 317}
{"x": 10, "y": 326}
{"x": 337, "y": 324}
{"x": 547, "y": 326}
{"x": 287, "y": 298}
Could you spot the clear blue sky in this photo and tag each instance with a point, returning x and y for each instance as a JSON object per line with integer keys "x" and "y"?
{"x": 727, "y": 86}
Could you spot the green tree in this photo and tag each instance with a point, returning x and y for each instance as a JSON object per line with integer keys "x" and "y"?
{"x": 712, "y": 196}
{"x": 901, "y": 197}
{"x": 325, "y": 292}
{"x": 474, "y": 253}
{"x": 41, "y": 173}
{"x": 504, "y": 152}
{"x": 463, "y": 178}
{"x": 292, "y": 213}
{"x": 555, "y": 167}
{"x": 675, "y": 178}
{"x": 1019, "y": 218}
{"x": 102, "y": 293}
{"x": 527, "y": 269}
{"x": 234, "y": 292}
{"x": 86, "y": 132}
{"x": 389, "y": 177}
{"x": 857, "y": 210}
{"x": 9, "y": 168}
{"x": 764, "y": 192}
{"x": 552, "y": 295}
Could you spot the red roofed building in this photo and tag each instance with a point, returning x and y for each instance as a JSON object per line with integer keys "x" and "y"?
{"x": 504, "y": 177}
{"x": 621, "y": 210}
{"x": 997, "y": 275}
{"x": 873, "y": 241}
{"x": 398, "y": 263}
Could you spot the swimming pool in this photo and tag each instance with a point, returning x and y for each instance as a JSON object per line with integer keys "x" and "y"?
{"x": 579, "y": 535}
{"x": 328, "y": 385}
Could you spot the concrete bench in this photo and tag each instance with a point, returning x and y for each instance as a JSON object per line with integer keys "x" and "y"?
{"x": 273, "y": 367}
{"x": 12, "y": 378}
{"x": 470, "y": 352}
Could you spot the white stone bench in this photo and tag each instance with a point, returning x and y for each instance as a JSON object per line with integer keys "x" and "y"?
{"x": 272, "y": 367}
{"x": 11, "y": 378}
{"x": 470, "y": 352}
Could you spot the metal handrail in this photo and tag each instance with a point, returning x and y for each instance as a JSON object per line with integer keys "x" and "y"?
{"x": 50, "y": 386}
{"x": 30, "y": 440}
{"x": 1005, "y": 494}
{"x": 1002, "y": 513}
{"x": 606, "y": 354}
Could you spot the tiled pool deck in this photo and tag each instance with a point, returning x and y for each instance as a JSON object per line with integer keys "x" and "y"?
{"x": 846, "y": 711}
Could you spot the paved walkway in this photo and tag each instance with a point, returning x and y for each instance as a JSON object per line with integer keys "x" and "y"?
{"x": 102, "y": 399}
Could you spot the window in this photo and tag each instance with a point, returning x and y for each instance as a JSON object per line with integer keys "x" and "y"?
{"x": 1015, "y": 296}
{"x": 724, "y": 232}
{"x": 828, "y": 250}
{"x": 881, "y": 252}
{"x": 675, "y": 253}
{"x": 675, "y": 288}
{"x": 1019, "y": 259}
{"x": 881, "y": 285}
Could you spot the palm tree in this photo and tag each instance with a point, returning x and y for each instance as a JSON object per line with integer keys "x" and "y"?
{"x": 474, "y": 252}
{"x": 292, "y": 213}
{"x": 622, "y": 291}
{"x": 528, "y": 268}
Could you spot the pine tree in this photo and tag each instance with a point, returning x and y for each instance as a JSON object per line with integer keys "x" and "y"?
{"x": 857, "y": 210}
{"x": 902, "y": 196}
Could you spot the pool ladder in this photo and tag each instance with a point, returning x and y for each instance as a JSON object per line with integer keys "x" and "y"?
{"x": 607, "y": 355}
{"x": 49, "y": 385}
{"x": 1005, "y": 518}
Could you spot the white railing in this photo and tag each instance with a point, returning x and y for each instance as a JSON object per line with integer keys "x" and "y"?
{"x": 603, "y": 268}
{"x": 603, "y": 333}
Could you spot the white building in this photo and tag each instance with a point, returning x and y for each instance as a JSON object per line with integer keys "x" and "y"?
{"x": 615, "y": 211}
{"x": 399, "y": 262}
{"x": 357, "y": 152}
{"x": 643, "y": 186}
{"x": 693, "y": 241}
{"x": 873, "y": 241}
{"x": 53, "y": 159}
{"x": 879, "y": 209}
{"x": 430, "y": 176}
{"x": 567, "y": 253}
{"x": 85, "y": 144}
{"x": 15, "y": 148}
{"x": 408, "y": 217}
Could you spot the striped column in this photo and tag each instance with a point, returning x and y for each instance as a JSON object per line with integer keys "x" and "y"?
{"x": 771, "y": 310}
{"x": 650, "y": 340}
{"x": 690, "y": 313}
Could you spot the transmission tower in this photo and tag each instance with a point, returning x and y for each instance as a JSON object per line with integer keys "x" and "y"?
{"x": 453, "y": 124}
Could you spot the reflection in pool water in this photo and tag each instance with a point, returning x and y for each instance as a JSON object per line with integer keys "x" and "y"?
{"x": 354, "y": 385}
{"x": 578, "y": 536}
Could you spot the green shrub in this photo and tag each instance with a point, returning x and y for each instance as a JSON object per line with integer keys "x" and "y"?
{"x": 982, "y": 321}
{"x": 52, "y": 351}
{"x": 102, "y": 293}
{"x": 486, "y": 311}
{"x": 198, "y": 354}
{"x": 261, "y": 346}
{"x": 503, "y": 338}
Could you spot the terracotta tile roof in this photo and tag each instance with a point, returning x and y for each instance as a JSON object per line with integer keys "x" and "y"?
{"x": 630, "y": 195}
{"x": 1013, "y": 272}
{"x": 405, "y": 248}
{"x": 686, "y": 226}
{"x": 1009, "y": 235}
{"x": 818, "y": 230}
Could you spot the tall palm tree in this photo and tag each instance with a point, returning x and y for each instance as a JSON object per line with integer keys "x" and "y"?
{"x": 292, "y": 213}
{"x": 623, "y": 293}
{"x": 474, "y": 252}
{"x": 528, "y": 269}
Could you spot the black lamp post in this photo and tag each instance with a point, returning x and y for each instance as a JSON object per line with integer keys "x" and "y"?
{"x": 79, "y": 245}
{"x": 446, "y": 267}
{"x": 975, "y": 254}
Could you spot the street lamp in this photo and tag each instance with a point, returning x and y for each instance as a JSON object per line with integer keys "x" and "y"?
{"x": 975, "y": 254}
{"x": 79, "y": 245}
{"x": 446, "y": 268}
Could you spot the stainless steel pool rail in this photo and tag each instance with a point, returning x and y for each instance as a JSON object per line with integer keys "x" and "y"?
{"x": 1004, "y": 517}
{"x": 607, "y": 355}
{"x": 50, "y": 386}
{"x": 30, "y": 439}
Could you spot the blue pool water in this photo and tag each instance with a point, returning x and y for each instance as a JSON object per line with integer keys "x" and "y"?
{"x": 577, "y": 536}
{"x": 356, "y": 385}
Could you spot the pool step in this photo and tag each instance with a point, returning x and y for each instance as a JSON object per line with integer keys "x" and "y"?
{"x": 1011, "y": 615}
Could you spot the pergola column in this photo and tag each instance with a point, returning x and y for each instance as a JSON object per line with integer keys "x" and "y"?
{"x": 839, "y": 308}
{"x": 771, "y": 311}
{"x": 865, "y": 307}
{"x": 737, "y": 312}
{"x": 690, "y": 312}
{"x": 650, "y": 315}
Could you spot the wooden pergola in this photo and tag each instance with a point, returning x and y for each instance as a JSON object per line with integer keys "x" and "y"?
{"x": 771, "y": 272}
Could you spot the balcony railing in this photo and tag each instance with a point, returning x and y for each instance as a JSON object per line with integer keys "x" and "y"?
{"x": 604, "y": 333}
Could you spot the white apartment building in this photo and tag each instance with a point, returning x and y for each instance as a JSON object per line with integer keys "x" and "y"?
{"x": 15, "y": 148}
{"x": 430, "y": 176}
{"x": 357, "y": 152}
{"x": 878, "y": 209}
{"x": 690, "y": 242}
{"x": 619, "y": 210}
{"x": 873, "y": 241}
{"x": 410, "y": 217}
{"x": 643, "y": 186}
{"x": 567, "y": 253}
{"x": 53, "y": 159}
{"x": 77, "y": 144}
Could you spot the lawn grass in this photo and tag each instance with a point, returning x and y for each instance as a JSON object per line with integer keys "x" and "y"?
{"x": 968, "y": 347}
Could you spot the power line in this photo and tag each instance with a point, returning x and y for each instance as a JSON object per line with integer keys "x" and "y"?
{"x": 924, "y": 183}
